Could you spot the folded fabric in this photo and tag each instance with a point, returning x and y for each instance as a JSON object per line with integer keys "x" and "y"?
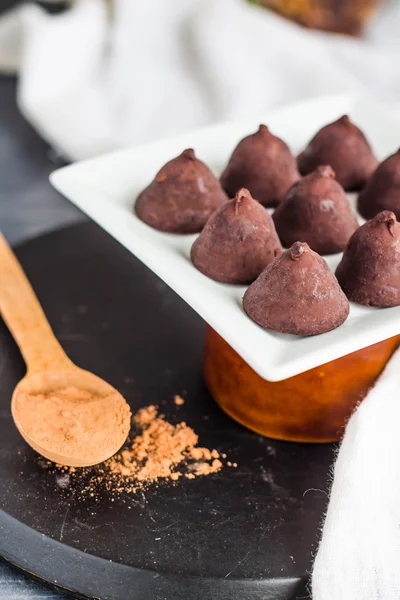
{"x": 92, "y": 81}
{"x": 359, "y": 554}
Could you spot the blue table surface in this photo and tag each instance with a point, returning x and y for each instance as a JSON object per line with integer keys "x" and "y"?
{"x": 28, "y": 207}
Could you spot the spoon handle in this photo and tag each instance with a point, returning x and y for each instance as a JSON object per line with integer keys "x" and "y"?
{"x": 25, "y": 318}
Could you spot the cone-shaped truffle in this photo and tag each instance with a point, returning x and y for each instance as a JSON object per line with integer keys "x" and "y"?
{"x": 316, "y": 210}
{"x": 264, "y": 165}
{"x": 382, "y": 191}
{"x": 344, "y": 147}
{"x": 369, "y": 271}
{"x": 181, "y": 197}
{"x": 238, "y": 241}
{"x": 297, "y": 293}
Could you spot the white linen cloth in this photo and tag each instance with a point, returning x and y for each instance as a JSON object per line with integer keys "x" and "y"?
{"x": 91, "y": 83}
{"x": 359, "y": 553}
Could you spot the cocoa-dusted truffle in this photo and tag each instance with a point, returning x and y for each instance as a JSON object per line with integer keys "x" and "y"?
{"x": 382, "y": 191}
{"x": 297, "y": 293}
{"x": 181, "y": 197}
{"x": 238, "y": 241}
{"x": 263, "y": 164}
{"x": 369, "y": 271}
{"x": 316, "y": 210}
{"x": 344, "y": 147}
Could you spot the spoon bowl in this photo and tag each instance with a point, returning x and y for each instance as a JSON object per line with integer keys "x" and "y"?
{"x": 85, "y": 443}
{"x": 68, "y": 415}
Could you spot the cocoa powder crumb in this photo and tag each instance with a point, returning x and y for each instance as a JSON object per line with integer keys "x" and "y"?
{"x": 200, "y": 453}
{"x": 145, "y": 415}
{"x": 179, "y": 400}
{"x": 155, "y": 451}
{"x": 204, "y": 468}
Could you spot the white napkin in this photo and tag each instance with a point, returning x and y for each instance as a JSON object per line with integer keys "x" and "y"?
{"x": 90, "y": 84}
{"x": 359, "y": 554}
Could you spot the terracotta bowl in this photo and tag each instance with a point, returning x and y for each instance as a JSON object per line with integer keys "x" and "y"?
{"x": 310, "y": 407}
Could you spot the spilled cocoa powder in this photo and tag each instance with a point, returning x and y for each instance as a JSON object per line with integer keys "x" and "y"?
{"x": 160, "y": 448}
{"x": 179, "y": 400}
{"x": 158, "y": 451}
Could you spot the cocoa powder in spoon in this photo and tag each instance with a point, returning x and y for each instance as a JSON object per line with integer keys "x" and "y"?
{"x": 74, "y": 422}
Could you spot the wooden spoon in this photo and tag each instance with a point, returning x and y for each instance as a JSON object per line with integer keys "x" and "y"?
{"x": 53, "y": 380}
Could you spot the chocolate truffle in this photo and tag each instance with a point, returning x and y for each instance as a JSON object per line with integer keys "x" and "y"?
{"x": 344, "y": 147}
{"x": 263, "y": 164}
{"x": 182, "y": 196}
{"x": 238, "y": 241}
{"x": 316, "y": 210}
{"x": 297, "y": 293}
{"x": 369, "y": 271}
{"x": 382, "y": 191}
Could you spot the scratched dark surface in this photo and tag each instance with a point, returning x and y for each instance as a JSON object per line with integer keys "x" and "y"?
{"x": 114, "y": 317}
{"x": 28, "y": 207}
{"x": 244, "y": 533}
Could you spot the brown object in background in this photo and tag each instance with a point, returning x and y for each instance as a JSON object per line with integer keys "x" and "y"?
{"x": 310, "y": 407}
{"x": 338, "y": 16}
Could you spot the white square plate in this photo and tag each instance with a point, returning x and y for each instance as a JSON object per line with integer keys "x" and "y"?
{"x": 106, "y": 187}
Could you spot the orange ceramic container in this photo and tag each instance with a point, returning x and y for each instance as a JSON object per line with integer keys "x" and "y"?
{"x": 310, "y": 407}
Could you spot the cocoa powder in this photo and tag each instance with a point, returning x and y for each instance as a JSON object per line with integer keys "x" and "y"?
{"x": 73, "y": 422}
{"x": 157, "y": 451}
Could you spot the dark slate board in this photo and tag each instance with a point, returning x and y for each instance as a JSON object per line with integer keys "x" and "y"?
{"x": 242, "y": 534}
